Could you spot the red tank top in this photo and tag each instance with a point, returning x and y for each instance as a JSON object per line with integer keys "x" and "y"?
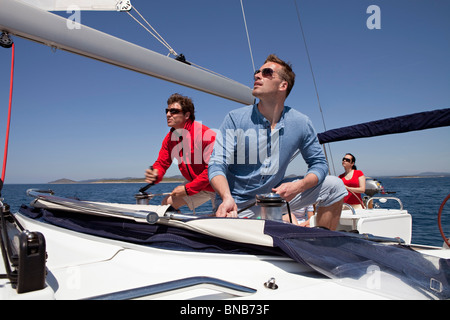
{"x": 353, "y": 183}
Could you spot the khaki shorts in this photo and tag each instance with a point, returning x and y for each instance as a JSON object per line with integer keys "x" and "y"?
{"x": 330, "y": 191}
{"x": 200, "y": 198}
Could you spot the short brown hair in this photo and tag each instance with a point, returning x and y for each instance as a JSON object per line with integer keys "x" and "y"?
{"x": 286, "y": 73}
{"x": 185, "y": 102}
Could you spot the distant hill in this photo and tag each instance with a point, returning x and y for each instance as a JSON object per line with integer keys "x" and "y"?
{"x": 440, "y": 174}
{"x": 425, "y": 175}
{"x": 180, "y": 178}
{"x": 63, "y": 181}
{"x": 177, "y": 178}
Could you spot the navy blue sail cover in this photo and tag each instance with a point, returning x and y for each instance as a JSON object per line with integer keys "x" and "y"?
{"x": 337, "y": 255}
{"x": 340, "y": 255}
{"x": 412, "y": 122}
{"x": 156, "y": 235}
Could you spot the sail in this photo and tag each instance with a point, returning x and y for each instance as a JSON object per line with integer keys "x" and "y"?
{"x": 57, "y": 32}
{"x": 411, "y": 122}
{"x": 64, "y": 5}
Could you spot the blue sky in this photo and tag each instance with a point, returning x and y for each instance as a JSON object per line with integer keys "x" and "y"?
{"x": 80, "y": 119}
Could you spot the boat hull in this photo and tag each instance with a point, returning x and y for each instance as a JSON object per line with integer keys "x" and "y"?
{"x": 82, "y": 266}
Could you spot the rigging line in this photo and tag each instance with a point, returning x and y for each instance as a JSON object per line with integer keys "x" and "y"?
{"x": 211, "y": 71}
{"x": 5, "y": 155}
{"x": 166, "y": 44}
{"x": 314, "y": 78}
{"x": 248, "y": 37}
{"x": 156, "y": 35}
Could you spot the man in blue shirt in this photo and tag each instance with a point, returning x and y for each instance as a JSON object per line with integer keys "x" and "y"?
{"x": 254, "y": 147}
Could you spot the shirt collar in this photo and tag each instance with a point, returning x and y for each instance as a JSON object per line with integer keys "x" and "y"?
{"x": 266, "y": 122}
{"x": 187, "y": 125}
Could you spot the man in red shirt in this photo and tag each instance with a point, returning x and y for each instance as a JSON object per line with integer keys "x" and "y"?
{"x": 191, "y": 143}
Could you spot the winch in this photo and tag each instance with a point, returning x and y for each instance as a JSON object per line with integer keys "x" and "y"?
{"x": 142, "y": 198}
{"x": 271, "y": 204}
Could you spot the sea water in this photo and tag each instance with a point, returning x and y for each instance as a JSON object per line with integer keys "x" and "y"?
{"x": 422, "y": 197}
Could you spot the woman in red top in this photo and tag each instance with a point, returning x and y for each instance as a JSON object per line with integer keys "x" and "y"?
{"x": 354, "y": 180}
{"x": 191, "y": 143}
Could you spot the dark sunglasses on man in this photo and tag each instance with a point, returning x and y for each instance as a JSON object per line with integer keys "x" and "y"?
{"x": 173, "y": 111}
{"x": 266, "y": 72}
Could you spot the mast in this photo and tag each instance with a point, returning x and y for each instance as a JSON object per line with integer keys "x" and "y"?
{"x": 34, "y": 24}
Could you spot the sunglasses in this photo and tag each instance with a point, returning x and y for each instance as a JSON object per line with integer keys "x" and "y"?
{"x": 347, "y": 160}
{"x": 173, "y": 111}
{"x": 266, "y": 72}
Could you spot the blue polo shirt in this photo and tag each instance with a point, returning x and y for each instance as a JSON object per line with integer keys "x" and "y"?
{"x": 254, "y": 158}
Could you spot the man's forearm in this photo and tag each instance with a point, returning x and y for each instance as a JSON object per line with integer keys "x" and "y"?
{"x": 309, "y": 181}
{"x": 228, "y": 207}
{"x": 220, "y": 185}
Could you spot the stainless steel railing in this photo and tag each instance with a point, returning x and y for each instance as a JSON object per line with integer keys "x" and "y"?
{"x": 178, "y": 286}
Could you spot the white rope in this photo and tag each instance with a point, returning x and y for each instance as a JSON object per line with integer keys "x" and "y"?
{"x": 248, "y": 37}
{"x": 155, "y": 34}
